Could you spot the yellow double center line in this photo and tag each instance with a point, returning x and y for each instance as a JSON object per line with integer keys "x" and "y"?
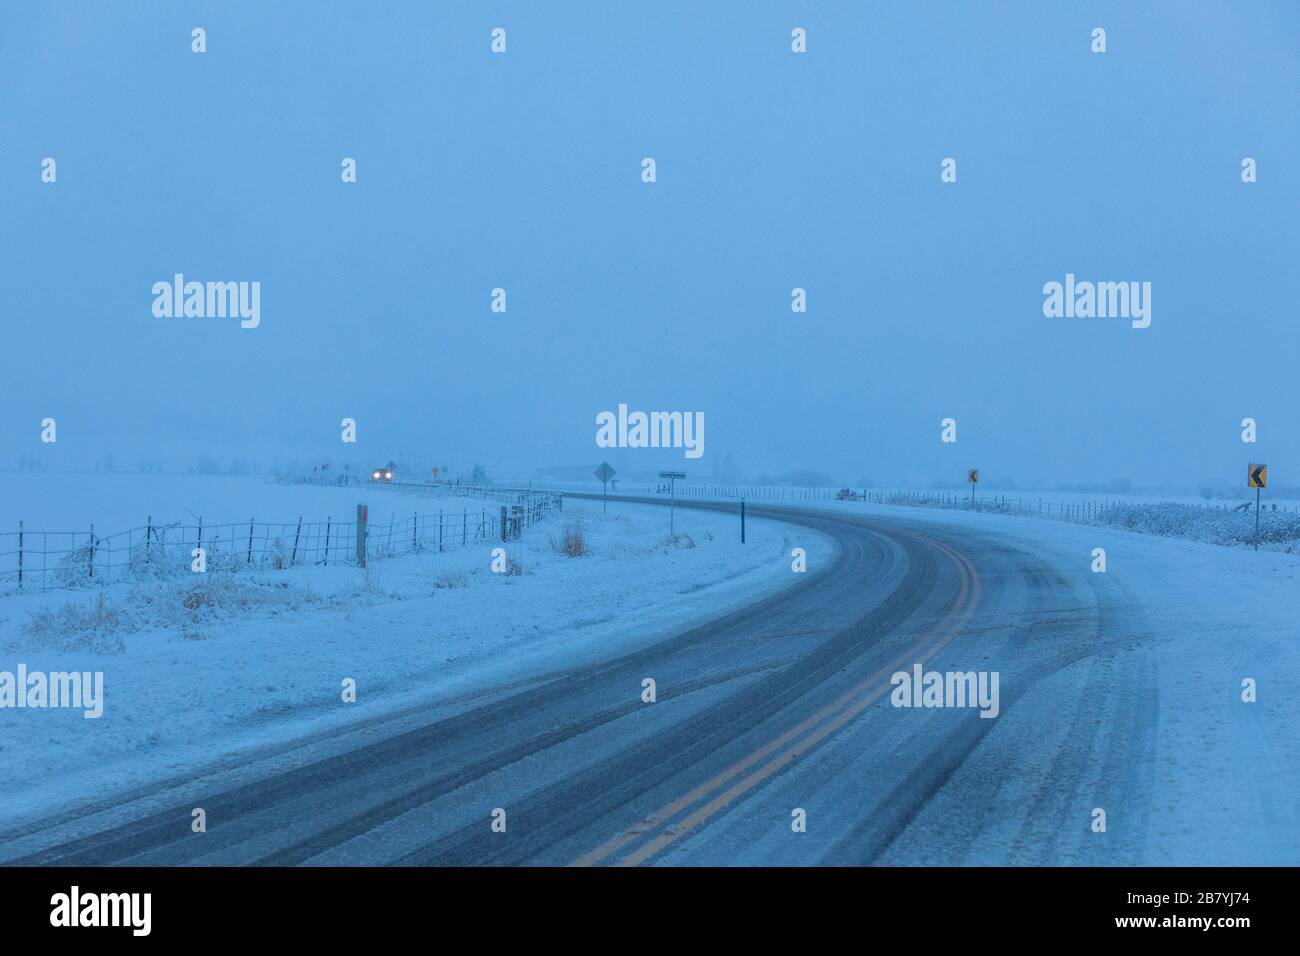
{"x": 834, "y": 715}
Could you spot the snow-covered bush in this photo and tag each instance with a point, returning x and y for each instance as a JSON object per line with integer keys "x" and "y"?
{"x": 78, "y": 626}
{"x": 572, "y": 543}
{"x": 1213, "y": 525}
{"x": 216, "y": 597}
{"x": 73, "y": 569}
{"x": 447, "y": 580}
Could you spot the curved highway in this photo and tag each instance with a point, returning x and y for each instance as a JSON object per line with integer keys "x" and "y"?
{"x": 776, "y": 713}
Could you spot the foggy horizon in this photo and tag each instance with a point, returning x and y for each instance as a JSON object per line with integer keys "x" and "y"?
{"x": 925, "y": 299}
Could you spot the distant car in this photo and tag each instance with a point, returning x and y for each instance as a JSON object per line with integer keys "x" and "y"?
{"x": 382, "y": 474}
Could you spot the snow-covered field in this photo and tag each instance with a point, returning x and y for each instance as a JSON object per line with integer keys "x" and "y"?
{"x": 71, "y": 501}
{"x": 195, "y": 670}
{"x": 149, "y": 524}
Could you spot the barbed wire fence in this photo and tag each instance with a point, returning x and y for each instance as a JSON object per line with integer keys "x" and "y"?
{"x": 1228, "y": 523}
{"x": 42, "y": 560}
{"x": 1083, "y": 507}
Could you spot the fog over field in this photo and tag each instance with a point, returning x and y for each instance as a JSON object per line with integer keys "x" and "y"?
{"x": 924, "y": 299}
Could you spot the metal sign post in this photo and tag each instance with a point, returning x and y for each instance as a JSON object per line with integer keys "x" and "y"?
{"x": 1257, "y": 478}
{"x": 672, "y": 477}
{"x": 604, "y": 473}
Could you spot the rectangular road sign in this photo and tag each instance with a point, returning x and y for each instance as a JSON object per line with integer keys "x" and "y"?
{"x": 973, "y": 475}
{"x": 672, "y": 474}
{"x": 1257, "y": 476}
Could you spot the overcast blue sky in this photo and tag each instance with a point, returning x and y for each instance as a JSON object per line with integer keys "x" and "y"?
{"x": 775, "y": 170}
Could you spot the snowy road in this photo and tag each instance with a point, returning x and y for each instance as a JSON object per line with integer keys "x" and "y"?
{"x": 780, "y": 706}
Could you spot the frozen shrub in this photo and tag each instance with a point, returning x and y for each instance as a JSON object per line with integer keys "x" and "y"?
{"x": 1219, "y": 526}
{"x": 74, "y": 567}
{"x": 451, "y": 579}
{"x": 573, "y": 543}
{"x": 76, "y": 626}
{"x": 214, "y": 597}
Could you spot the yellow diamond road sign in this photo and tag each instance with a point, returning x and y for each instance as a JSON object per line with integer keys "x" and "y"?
{"x": 973, "y": 475}
{"x": 1257, "y": 476}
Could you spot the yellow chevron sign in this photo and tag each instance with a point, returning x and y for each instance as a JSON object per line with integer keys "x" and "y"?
{"x": 1257, "y": 476}
{"x": 973, "y": 475}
